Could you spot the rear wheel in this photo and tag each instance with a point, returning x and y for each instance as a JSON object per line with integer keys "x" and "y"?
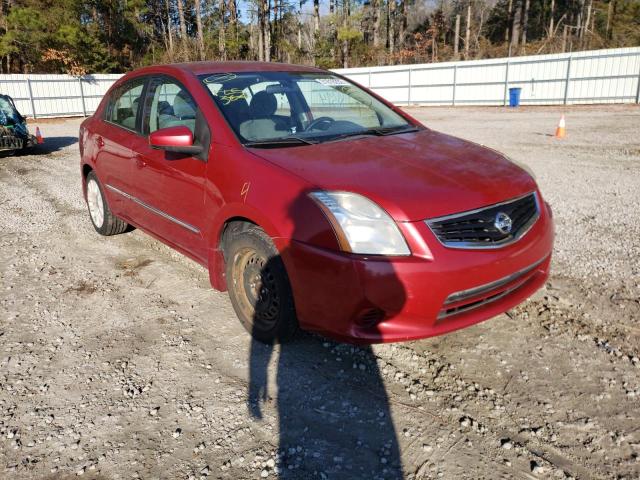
{"x": 103, "y": 220}
{"x": 259, "y": 286}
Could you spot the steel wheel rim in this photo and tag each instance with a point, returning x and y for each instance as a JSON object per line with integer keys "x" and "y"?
{"x": 257, "y": 290}
{"x": 94, "y": 200}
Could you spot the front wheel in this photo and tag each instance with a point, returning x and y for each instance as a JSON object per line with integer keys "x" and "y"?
{"x": 105, "y": 222}
{"x": 259, "y": 286}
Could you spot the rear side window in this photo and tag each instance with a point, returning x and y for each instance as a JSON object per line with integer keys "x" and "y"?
{"x": 125, "y": 105}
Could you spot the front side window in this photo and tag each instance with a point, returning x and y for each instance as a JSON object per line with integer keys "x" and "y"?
{"x": 124, "y": 109}
{"x": 171, "y": 106}
{"x": 308, "y": 107}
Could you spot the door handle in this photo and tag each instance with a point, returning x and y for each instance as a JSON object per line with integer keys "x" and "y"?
{"x": 140, "y": 161}
{"x": 100, "y": 142}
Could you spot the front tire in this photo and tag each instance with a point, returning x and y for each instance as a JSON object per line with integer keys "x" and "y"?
{"x": 259, "y": 286}
{"x": 102, "y": 219}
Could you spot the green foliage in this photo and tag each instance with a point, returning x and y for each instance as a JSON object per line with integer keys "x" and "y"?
{"x": 118, "y": 35}
{"x": 349, "y": 34}
{"x": 626, "y": 24}
{"x": 325, "y": 53}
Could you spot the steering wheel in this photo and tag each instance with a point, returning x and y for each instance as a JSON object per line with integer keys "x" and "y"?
{"x": 320, "y": 121}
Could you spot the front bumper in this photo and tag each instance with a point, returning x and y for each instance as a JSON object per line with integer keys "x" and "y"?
{"x": 436, "y": 290}
{"x": 14, "y": 142}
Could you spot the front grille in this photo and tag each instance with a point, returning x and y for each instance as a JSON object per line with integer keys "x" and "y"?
{"x": 479, "y": 228}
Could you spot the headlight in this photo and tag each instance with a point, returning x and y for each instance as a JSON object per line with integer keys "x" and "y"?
{"x": 361, "y": 225}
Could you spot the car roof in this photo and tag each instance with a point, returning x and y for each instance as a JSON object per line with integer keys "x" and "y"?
{"x": 202, "y": 68}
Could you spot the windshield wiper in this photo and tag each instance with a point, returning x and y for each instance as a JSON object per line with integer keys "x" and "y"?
{"x": 280, "y": 142}
{"x": 380, "y": 132}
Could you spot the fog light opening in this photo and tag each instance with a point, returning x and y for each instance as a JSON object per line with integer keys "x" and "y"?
{"x": 370, "y": 317}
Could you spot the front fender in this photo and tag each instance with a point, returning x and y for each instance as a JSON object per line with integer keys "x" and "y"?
{"x": 230, "y": 212}
{"x": 253, "y": 189}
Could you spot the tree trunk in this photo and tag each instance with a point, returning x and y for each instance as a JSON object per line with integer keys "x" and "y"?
{"x": 479, "y": 30}
{"x": 588, "y": 18}
{"x": 468, "y": 33}
{"x": 375, "y": 6}
{"x": 515, "y": 25}
{"x": 403, "y": 22}
{"x": 553, "y": 5}
{"x": 456, "y": 39}
{"x": 266, "y": 17}
{"x": 565, "y": 32}
{"x": 183, "y": 24}
{"x": 525, "y": 21}
{"x": 222, "y": 34}
{"x": 584, "y": 43}
{"x": 253, "y": 41}
{"x": 165, "y": 38}
{"x": 610, "y": 10}
{"x": 434, "y": 47}
{"x": 578, "y": 24}
{"x": 200, "y": 34}
{"x": 345, "y": 25}
{"x": 233, "y": 19}
{"x": 169, "y": 30}
{"x": 509, "y": 21}
{"x": 391, "y": 10}
{"x": 316, "y": 15}
{"x": 300, "y": 25}
{"x": 275, "y": 26}
{"x": 261, "y": 29}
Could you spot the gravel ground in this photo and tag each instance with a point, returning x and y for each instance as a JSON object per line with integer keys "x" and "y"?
{"x": 118, "y": 361}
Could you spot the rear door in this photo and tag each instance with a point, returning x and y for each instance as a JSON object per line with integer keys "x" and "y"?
{"x": 170, "y": 186}
{"x": 113, "y": 136}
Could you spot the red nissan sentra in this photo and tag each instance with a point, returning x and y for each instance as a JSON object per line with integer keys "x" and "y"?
{"x": 314, "y": 202}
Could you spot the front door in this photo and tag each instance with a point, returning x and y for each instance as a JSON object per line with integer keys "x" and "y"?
{"x": 170, "y": 186}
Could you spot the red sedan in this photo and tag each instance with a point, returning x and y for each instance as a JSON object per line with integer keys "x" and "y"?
{"x": 314, "y": 202}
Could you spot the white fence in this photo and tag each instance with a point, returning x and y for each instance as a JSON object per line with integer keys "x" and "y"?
{"x": 600, "y": 76}
{"x": 56, "y": 95}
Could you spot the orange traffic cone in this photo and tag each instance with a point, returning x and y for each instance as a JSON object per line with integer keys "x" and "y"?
{"x": 39, "y": 137}
{"x": 561, "y": 130}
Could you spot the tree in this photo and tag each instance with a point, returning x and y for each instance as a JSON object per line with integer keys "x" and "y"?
{"x": 200, "y": 33}
{"x": 95, "y": 36}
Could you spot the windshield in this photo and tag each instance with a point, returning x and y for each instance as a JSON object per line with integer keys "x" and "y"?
{"x": 298, "y": 108}
{"x": 9, "y": 116}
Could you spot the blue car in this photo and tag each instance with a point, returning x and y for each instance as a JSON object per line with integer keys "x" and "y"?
{"x": 14, "y": 134}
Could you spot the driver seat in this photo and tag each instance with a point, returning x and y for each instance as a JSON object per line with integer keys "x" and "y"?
{"x": 262, "y": 124}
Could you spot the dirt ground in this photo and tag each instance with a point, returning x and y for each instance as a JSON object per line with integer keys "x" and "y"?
{"x": 118, "y": 361}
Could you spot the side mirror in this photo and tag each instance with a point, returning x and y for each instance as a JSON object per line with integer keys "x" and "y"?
{"x": 177, "y": 139}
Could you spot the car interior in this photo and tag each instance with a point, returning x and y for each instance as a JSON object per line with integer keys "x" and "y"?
{"x": 262, "y": 120}
{"x": 179, "y": 110}
{"x": 262, "y": 108}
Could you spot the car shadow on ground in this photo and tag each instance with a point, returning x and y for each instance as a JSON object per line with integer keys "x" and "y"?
{"x": 50, "y": 145}
{"x": 334, "y": 418}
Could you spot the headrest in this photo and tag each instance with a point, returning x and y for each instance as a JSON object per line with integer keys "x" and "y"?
{"x": 165, "y": 108}
{"x": 263, "y": 104}
{"x": 183, "y": 106}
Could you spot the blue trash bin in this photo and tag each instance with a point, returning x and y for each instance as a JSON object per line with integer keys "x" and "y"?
{"x": 514, "y": 96}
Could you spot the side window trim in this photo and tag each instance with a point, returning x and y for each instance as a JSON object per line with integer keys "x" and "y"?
{"x": 149, "y": 92}
{"x": 152, "y": 84}
{"x": 116, "y": 95}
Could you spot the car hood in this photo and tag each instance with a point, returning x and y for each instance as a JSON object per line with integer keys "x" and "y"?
{"x": 413, "y": 176}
